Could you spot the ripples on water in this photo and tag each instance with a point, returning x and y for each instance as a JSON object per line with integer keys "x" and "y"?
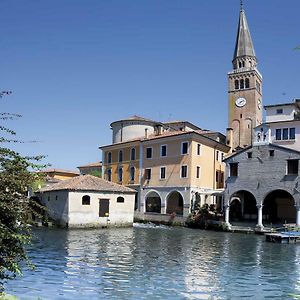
{"x": 150, "y": 262}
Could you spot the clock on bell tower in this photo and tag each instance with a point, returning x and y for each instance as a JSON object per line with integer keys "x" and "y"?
{"x": 244, "y": 89}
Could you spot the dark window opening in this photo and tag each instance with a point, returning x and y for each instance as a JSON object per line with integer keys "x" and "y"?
{"x": 120, "y": 174}
{"x": 278, "y": 134}
{"x": 120, "y": 156}
{"x": 292, "y": 133}
{"x": 132, "y": 173}
{"x": 198, "y": 149}
{"x": 109, "y": 157}
{"x": 242, "y": 84}
{"x": 132, "y": 154}
{"x": 109, "y": 174}
{"x": 272, "y": 153}
{"x": 184, "y": 148}
{"x": 162, "y": 172}
{"x": 163, "y": 150}
{"x": 198, "y": 172}
{"x": 149, "y": 153}
{"x": 147, "y": 174}
{"x": 236, "y": 84}
{"x": 233, "y": 169}
{"x": 279, "y": 111}
{"x": 292, "y": 167}
{"x": 247, "y": 83}
{"x": 86, "y": 200}
{"x": 285, "y": 133}
{"x": 120, "y": 200}
{"x": 249, "y": 154}
{"x": 183, "y": 171}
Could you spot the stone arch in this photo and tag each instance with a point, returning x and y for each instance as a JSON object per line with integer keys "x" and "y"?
{"x": 175, "y": 203}
{"x": 279, "y": 207}
{"x": 153, "y": 202}
{"x": 243, "y": 206}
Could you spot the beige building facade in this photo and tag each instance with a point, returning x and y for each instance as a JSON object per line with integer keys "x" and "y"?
{"x": 174, "y": 169}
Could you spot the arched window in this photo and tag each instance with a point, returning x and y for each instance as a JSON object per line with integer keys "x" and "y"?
{"x": 109, "y": 174}
{"x": 120, "y": 156}
{"x": 120, "y": 200}
{"x": 132, "y": 173}
{"x": 132, "y": 154}
{"x": 242, "y": 84}
{"x": 120, "y": 174}
{"x": 109, "y": 157}
{"x": 86, "y": 200}
{"x": 240, "y": 64}
{"x": 236, "y": 84}
{"x": 247, "y": 83}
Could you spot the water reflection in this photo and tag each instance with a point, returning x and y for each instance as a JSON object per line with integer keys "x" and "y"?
{"x": 157, "y": 263}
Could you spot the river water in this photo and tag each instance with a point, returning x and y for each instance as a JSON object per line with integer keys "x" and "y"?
{"x": 148, "y": 262}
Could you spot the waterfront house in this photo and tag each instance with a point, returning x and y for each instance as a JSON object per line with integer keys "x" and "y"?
{"x": 173, "y": 166}
{"x": 88, "y": 201}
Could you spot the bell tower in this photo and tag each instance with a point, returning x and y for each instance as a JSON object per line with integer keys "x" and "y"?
{"x": 244, "y": 88}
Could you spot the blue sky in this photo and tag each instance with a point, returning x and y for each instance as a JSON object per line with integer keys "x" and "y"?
{"x": 75, "y": 66}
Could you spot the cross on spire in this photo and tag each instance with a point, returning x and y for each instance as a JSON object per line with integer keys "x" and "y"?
{"x": 242, "y": 4}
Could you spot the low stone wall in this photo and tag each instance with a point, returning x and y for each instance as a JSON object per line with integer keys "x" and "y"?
{"x": 159, "y": 218}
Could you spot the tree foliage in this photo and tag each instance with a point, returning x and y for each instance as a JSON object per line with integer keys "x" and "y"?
{"x": 16, "y": 176}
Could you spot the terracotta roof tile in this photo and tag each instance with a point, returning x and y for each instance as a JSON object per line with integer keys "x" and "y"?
{"x": 87, "y": 183}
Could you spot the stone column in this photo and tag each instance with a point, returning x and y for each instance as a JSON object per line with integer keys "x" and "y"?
{"x": 227, "y": 207}
{"x": 298, "y": 215}
{"x": 259, "y": 216}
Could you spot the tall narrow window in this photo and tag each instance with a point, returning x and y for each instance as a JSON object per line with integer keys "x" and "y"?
{"x": 285, "y": 133}
{"x": 109, "y": 157}
{"x": 247, "y": 83}
{"x": 132, "y": 154}
{"x": 242, "y": 84}
{"x": 132, "y": 173}
{"x": 278, "y": 134}
{"x": 120, "y": 174}
{"x": 236, "y": 84}
{"x": 109, "y": 174}
{"x": 183, "y": 173}
{"x": 198, "y": 172}
{"x": 163, "y": 173}
{"x": 292, "y": 133}
{"x": 163, "y": 150}
{"x": 217, "y": 155}
{"x": 120, "y": 156}
{"x": 147, "y": 174}
{"x": 149, "y": 152}
{"x": 292, "y": 167}
{"x": 233, "y": 169}
{"x": 184, "y": 147}
{"x": 198, "y": 149}
{"x": 217, "y": 176}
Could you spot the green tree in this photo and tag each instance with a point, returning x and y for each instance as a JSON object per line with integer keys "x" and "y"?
{"x": 16, "y": 176}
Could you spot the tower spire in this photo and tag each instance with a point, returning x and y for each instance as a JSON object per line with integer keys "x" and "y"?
{"x": 244, "y": 45}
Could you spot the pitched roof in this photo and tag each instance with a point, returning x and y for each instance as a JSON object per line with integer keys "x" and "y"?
{"x": 47, "y": 171}
{"x": 87, "y": 183}
{"x": 244, "y": 44}
{"x": 96, "y": 164}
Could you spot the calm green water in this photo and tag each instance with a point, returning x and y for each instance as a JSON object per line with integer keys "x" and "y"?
{"x": 157, "y": 263}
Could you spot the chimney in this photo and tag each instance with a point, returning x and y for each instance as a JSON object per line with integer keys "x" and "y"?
{"x": 146, "y": 133}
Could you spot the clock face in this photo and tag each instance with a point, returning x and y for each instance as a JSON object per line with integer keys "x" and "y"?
{"x": 240, "y": 102}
